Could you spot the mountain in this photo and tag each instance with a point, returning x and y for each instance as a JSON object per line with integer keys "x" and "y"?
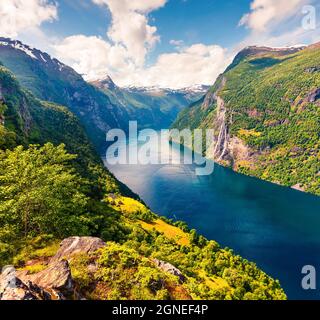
{"x": 265, "y": 110}
{"x": 47, "y": 195}
{"x": 152, "y": 107}
{"x": 99, "y": 107}
{"x": 28, "y": 120}
{"x": 50, "y": 80}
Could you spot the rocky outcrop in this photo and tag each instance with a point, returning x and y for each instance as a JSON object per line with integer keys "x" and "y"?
{"x": 13, "y": 288}
{"x": 167, "y": 267}
{"x": 298, "y": 187}
{"x": 53, "y": 283}
{"x": 314, "y": 95}
{"x": 75, "y": 246}
{"x": 238, "y": 150}
{"x": 56, "y": 278}
{"x": 218, "y": 150}
{"x": 313, "y": 69}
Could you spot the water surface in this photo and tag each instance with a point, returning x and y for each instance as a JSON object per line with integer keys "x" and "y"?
{"x": 277, "y": 228}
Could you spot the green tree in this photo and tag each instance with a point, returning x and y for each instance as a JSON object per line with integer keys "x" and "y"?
{"x": 39, "y": 193}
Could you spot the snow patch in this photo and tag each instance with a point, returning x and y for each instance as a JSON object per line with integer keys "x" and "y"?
{"x": 19, "y": 46}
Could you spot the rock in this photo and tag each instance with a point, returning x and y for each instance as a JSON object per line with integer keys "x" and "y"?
{"x": 314, "y": 95}
{"x": 298, "y": 187}
{"x": 167, "y": 267}
{"x": 254, "y": 113}
{"x": 56, "y": 277}
{"x": 53, "y": 283}
{"x": 77, "y": 245}
{"x": 313, "y": 69}
{"x": 13, "y": 288}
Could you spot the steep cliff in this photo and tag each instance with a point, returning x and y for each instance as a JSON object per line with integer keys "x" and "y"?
{"x": 265, "y": 113}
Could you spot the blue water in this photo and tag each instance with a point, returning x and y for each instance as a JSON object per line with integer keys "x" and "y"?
{"x": 277, "y": 228}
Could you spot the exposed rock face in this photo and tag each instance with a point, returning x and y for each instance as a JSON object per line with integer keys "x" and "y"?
{"x": 313, "y": 69}
{"x": 106, "y": 83}
{"x": 56, "y": 277}
{"x": 77, "y": 245}
{"x": 167, "y": 267}
{"x": 13, "y": 288}
{"x": 226, "y": 149}
{"x": 53, "y": 283}
{"x": 219, "y": 150}
{"x": 238, "y": 149}
{"x": 314, "y": 95}
{"x": 298, "y": 187}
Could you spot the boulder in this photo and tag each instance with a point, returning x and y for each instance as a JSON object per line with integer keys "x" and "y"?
{"x": 53, "y": 283}
{"x": 313, "y": 69}
{"x": 298, "y": 187}
{"x": 13, "y": 288}
{"x": 314, "y": 95}
{"x": 56, "y": 278}
{"x": 167, "y": 267}
{"x": 77, "y": 245}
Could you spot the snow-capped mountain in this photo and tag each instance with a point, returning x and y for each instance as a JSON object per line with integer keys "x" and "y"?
{"x": 198, "y": 89}
{"x": 100, "y": 105}
{"x": 33, "y": 53}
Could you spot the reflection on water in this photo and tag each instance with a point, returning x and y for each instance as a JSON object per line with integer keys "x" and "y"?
{"x": 276, "y": 227}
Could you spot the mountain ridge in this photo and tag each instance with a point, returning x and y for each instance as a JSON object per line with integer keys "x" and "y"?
{"x": 98, "y": 107}
{"x": 270, "y": 129}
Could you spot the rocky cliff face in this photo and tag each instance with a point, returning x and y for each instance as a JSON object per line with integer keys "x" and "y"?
{"x": 264, "y": 114}
{"x": 56, "y": 281}
{"x": 53, "y": 283}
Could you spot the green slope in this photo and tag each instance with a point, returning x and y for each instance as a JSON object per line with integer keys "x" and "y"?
{"x": 272, "y": 104}
{"x": 98, "y": 110}
{"x": 46, "y": 195}
{"x": 153, "y": 108}
{"x": 50, "y": 80}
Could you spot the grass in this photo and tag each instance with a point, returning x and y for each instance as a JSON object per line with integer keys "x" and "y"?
{"x": 131, "y": 207}
{"x": 249, "y": 133}
{"x": 171, "y": 232}
{"x": 30, "y": 253}
{"x": 126, "y": 205}
{"x": 213, "y": 282}
{"x": 35, "y": 268}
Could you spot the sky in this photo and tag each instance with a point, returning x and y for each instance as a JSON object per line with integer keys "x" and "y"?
{"x": 166, "y": 43}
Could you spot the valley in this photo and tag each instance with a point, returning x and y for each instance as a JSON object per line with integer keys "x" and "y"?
{"x": 273, "y": 226}
{"x": 56, "y": 193}
{"x": 100, "y": 106}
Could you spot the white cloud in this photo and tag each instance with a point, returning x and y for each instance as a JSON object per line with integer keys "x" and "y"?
{"x": 96, "y": 58}
{"x": 177, "y": 43}
{"x": 130, "y": 25}
{"x": 130, "y": 39}
{"x": 278, "y": 23}
{"x": 17, "y": 16}
{"x": 197, "y": 64}
{"x": 269, "y": 13}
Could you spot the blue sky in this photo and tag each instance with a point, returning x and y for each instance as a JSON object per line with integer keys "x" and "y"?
{"x": 193, "y": 21}
{"x": 170, "y": 43}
